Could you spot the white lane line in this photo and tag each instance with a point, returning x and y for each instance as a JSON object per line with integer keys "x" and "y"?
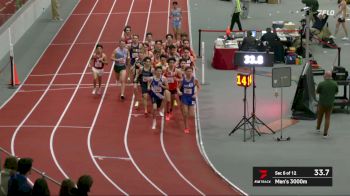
{"x": 69, "y": 88}
{"x": 120, "y": 13}
{"x": 44, "y": 126}
{"x": 43, "y": 95}
{"x": 111, "y": 157}
{"x": 83, "y": 43}
{"x": 197, "y": 119}
{"x": 60, "y": 74}
{"x": 72, "y": 98}
{"x": 126, "y": 138}
{"x": 37, "y": 61}
{"x": 163, "y": 145}
{"x": 171, "y": 162}
{"x": 167, "y": 27}
{"x": 128, "y": 151}
{"x": 98, "y": 113}
{"x": 147, "y": 21}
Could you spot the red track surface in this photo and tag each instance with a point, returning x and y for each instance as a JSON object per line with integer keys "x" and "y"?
{"x": 68, "y": 132}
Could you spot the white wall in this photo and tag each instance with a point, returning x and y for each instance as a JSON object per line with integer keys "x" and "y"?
{"x": 19, "y": 23}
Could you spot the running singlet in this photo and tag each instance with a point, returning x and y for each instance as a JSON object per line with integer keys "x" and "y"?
{"x": 189, "y": 63}
{"x": 127, "y": 39}
{"x": 171, "y": 77}
{"x": 188, "y": 87}
{"x": 155, "y": 86}
{"x": 145, "y": 76}
{"x": 97, "y": 63}
{"x": 134, "y": 51}
{"x": 121, "y": 54}
{"x": 176, "y": 14}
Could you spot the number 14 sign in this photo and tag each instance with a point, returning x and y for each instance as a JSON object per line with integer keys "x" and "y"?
{"x": 244, "y": 80}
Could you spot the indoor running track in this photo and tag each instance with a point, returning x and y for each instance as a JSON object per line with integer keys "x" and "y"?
{"x": 55, "y": 119}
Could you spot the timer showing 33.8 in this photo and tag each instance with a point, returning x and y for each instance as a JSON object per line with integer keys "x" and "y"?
{"x": 253, "y": 60}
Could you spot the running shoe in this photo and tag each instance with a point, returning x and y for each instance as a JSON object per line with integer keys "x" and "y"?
{"x": 167, "y": 116}
{"x": 137, "y": 104}
{"x": 94, "y": 91}
{"x": 345, "y": 38}
{"x": 325, "y": 136}
{"x": 122, "y": 97}
{"x": 175, "y": 103}
{"x": 146, "y": 114}
{"x": 154, "y": 124}
{"x": 161, "y": 112}
{"x": 187, "y": 130}
{"x": 332, "y": 36}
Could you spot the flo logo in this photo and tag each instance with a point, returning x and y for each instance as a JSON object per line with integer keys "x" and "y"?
{"x": 263, "y": 174}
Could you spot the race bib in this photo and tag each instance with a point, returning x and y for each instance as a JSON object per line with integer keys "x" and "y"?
{"x": 98, "y": 64}
{"x": 145, "y": 79}
{"x": 170, "y": 79}
{"x": 134, "y": 55}
{"x": 122, "y": 61}
{"x": 188, "y": 91}
{"x": 157, "y": 89}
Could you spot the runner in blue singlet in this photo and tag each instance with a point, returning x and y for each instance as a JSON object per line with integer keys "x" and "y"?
{"x": 176, "y": 16}
{"x": 187, "y": 90}
{"x": 158, "y": 87}
{"x": 120, "y": 56}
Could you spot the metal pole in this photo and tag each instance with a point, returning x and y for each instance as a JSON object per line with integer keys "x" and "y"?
{"x": 203, "y": 63}
{"x": 253, "y": 116}
{"x": 281, "y": 112}
{"x": 339, "y": 50}
{"x": 199, "y": 41}
{"x": 245, "y": 113}
{"x": 11, "y": 59}
{"x": 307, "y": 28}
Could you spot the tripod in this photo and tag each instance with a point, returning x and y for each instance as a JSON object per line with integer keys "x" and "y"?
{"x": 253, "y": 119}
{"x": 244, "y": 121}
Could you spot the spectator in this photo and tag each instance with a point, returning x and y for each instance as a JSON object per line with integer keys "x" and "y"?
{"x": 18, "y": 183}
{"x": 54, "y": 9}
{"x": 67, "y": 188}
{"x": 320, "y": 21}
{"x": 269, "y": 36}
{"x": 235, "y": 16}
{"x": 40, "y": 188}
{"x": 314, "y": 5}
{"x": 10, "y": 167}
{"x": 84, "y": 185}
{"x": 327, "y": 91}
{"x": 249, "y": 43}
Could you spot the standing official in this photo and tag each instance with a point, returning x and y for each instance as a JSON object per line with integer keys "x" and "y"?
{"x": 245, "y": 9}
{"x": 54, "y": 9}
{"x": 327, "y": 91}
{"x": 235, "y": 16}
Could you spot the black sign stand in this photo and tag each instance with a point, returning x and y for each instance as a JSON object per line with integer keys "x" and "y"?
{"x": 281, "y": 77}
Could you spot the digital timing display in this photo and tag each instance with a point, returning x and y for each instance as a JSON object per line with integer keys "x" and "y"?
{"x": 244, "y": 80}
{"x": 253, "y": 59}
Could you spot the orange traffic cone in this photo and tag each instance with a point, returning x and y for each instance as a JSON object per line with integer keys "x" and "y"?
{"x": 15, "y": 77}
{"x": 228, "y": 31}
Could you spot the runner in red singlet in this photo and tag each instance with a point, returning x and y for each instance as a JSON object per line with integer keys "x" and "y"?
{"x": 173, "y": 76}
{"x": 97, "y": 62}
